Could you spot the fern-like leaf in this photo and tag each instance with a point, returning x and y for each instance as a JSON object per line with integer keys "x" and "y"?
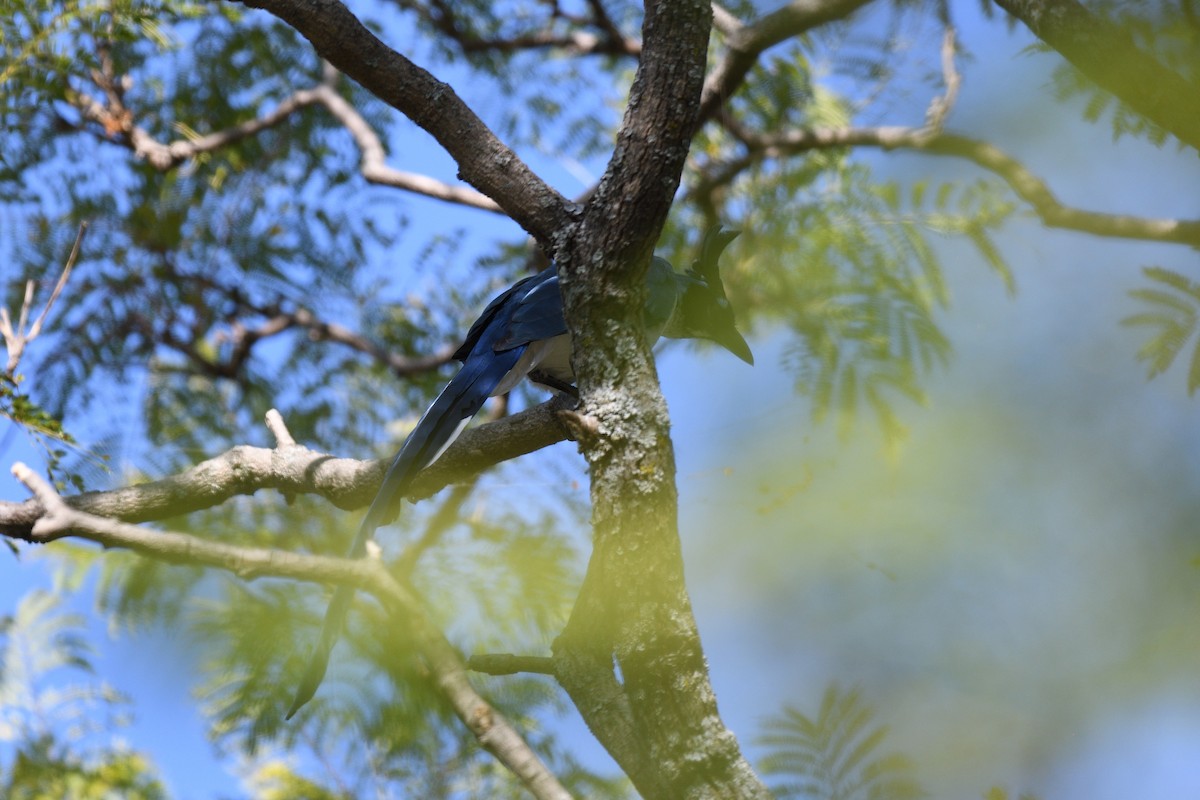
{"x": 1172, "y": 311}
{"x": 834, "y": 756}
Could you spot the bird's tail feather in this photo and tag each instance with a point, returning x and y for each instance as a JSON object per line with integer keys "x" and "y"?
{"x": 460, "y": 400}
{"x": 318, "y": 662}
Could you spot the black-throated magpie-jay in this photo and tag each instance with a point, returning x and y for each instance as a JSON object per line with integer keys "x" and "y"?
{"x": 522, "y": 333}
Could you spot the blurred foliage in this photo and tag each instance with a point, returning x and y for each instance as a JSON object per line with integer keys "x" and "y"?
{"x": 1000, "y": 793}
{"x": 1172, "y": 303}
{"x": 58, "y": 720}
{"x": 43, "y": 428}
{"x": 834, "y": 755}
{"x": 1169, "y": 32}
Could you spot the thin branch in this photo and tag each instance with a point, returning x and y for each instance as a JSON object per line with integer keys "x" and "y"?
{"x": 575, "y": 42}
{"x": 494, "y": 732}
{"x": 930, "y": 139}
{"x": 279, "y": 429}
{"x": 373, "y": 163}
{"x": 483, "y": 160}
{"x": 724, "y": 20}
{"x": 940, "y": 107}
{"x": 1028, "y": 186}
{"x": 747, "y": 42}
{"x": 447, "y": 514}
{"x": 17, "y": 339}
{"x": 243, "y": 340}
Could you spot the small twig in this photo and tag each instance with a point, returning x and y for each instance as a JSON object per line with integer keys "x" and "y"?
{"x": 940, "y": 106}
{"x": 16, "y": 340}
{"x": 278, "y": 429}
{"x": 724, "y": 20}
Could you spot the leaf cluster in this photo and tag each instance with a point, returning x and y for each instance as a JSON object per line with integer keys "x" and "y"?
{"x": 834, "y": 755}
{"x": 61, "y": 725}
{"x": 1172, "y": 309}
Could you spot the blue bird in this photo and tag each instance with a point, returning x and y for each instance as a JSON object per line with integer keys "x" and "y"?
{"x": 522, "y": 333}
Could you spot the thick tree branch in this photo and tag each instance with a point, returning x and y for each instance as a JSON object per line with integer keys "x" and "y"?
{"x": 660, "y": 723}
{"x": 483, "y": 160}
{"x": 494, "y": 732}
{"x": 1107, "y": 54}
{"x": 294, "y": 469}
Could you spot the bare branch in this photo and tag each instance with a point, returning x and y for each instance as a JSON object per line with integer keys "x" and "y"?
{"x": 940, "y": 107}
{"x": 278, "y": 428}
{"x": 16, "y": 340}
{"x": 243, "y": 340}
{"x": 494, "y": 732}
{"x": 930, "y": 139}
{"x": 483, "y": 160}
{"x": 724, "y": 20}
{"x": 576, "y": 42}
{"x": 373, "y": 164}
{"x": 347, "y": 483}
{"x": 374, "y": 159}
{"x": 747, "y": 42}
{"x": 1028, "y": 186}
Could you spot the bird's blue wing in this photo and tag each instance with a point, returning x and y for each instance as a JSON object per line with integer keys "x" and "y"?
{"x": 508, "y": 300}
{"x": 538, "y": 315}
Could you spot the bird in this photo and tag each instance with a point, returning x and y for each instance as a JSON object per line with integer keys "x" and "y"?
{"x": 522, "y": 334}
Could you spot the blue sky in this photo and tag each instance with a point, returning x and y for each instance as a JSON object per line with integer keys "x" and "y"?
{"x": 1010, "y": 587}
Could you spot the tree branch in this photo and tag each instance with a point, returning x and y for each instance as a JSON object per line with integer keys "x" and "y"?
{"x": 443, "y": 18}
{"x": 660, "y": 723}
{"x": 930, "y": 139}
{"x": 18, "y": 338}
{"x": 483, "y": 160}
{"x": 494, "y": 732}
{"x": 1108, "y": 55}
{"x": 1028, "y": 186}
{"x": 747, "y": 42}
{"x": 294, "y": 469}
{"x": 114, "y": 116}
{"x": 243, "y": 340}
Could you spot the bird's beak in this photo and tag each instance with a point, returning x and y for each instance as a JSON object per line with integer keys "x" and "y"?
{"x": 732, "y": 341}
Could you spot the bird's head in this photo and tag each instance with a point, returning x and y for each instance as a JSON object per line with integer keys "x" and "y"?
{"x": 704, "y": 311}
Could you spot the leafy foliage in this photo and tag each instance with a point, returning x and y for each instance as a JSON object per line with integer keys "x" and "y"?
{"x": 40, "y": 646}
{"x": 1172, "y": 304}
{"x": 834, "y": 755}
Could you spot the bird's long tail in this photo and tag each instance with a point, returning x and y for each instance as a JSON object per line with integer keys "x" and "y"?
{"x": 463, "y": 396}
